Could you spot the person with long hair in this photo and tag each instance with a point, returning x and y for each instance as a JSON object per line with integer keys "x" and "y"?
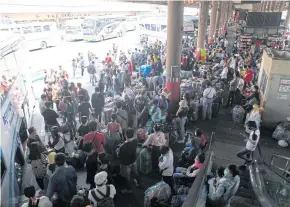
{"x": 38, "y": 163}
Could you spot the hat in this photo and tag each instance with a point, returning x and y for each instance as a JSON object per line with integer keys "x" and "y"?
{"x": 50, "y": 158}
{"x": 101, "y": 177}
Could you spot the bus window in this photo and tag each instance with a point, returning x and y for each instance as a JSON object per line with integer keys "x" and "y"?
{"x": 16, "y": 30}
{"x": 163, "y": 27}
{"x": 4, "y": 30}
{"x": 27, "y": 30}
{"x": 153, "y": 27}
{"x": 147, "y": 26}
{"x": 46, "y": 28}
{"x": 37, "y": 28}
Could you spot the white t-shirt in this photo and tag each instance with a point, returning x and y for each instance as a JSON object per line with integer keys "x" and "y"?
{"x": 224, "y": 73}
{"x": 251, "y": 145}
{"x": 209, "y": 93}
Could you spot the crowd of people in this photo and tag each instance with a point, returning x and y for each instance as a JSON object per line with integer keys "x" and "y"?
{"x": 125, "y": 127}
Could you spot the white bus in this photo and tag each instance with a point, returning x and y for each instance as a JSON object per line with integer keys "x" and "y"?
{"x": 156, "y": 28}
{"x": 104, "y": 27}
{"x": 73, "y": 30}
{"x": 131, "y": 23}
{"x": 37, "y": 35}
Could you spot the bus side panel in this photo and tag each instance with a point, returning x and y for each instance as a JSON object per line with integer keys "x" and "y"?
{"x": 9, "y": 142}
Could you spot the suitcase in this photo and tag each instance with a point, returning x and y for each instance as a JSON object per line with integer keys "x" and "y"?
{"x": 215, "y": 109}
{"x": 161, "y": 191}
{"x": 200, "y": 111}
{"x": 238, "y": 114}
{"x": 144, "y": 162}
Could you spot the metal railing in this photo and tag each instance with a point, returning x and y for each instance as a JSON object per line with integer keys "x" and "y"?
{"x": 194, "y": 197}
{"x": 286, "y": 169}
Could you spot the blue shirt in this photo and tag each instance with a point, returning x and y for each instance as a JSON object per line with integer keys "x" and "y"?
{"x": 63, "y": 182}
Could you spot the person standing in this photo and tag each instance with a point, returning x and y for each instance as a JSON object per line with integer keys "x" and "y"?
{"x": 102, "y": 191}
{"x": 38, "y": 163}
{"x": 34, "y": 138}
{"x": 127, "y": 156}
{"x": 63, "y": 182}
{"x": 232, "y": 91}
{"x": 122, "y": 116}
{"x": 98, "y": 103}
{"x": 43, "y": 100}
{"x": 84, "y": 108}
{"x": 156, "y": 140}
{"x": 50, "y": 116}
{"x": 182, "y": 116}
{"x": 252, "y": 142}
{"x": 97, "y": 138}
{"x": 91, "y": 163}
{"x": 207, "y": 98}
{"x": 166, "y": 164}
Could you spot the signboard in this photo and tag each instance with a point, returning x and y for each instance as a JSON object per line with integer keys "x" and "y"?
{"x": 284, "y": 86}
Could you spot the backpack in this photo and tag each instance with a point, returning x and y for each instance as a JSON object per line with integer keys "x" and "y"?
{"x": 84, "y": 92}
{"x": 107, "y": 201}
{"x": 91, "y": 69}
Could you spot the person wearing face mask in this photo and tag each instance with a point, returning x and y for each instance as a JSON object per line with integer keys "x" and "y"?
{"x": 225, "y": 188}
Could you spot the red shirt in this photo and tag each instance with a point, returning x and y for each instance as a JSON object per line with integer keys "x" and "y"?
{"x": 108, "y": 59}
{"x": 203, "y": 140}
{"x": 249, "y": 76}
{"x": 75, "y": 90}
{"x": 98, "y": 140}
{"x": 184, "y": 61}
{"x": 258, "y": 43}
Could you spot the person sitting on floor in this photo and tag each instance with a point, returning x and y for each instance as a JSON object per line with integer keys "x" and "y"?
{"x": 226, "y": 187}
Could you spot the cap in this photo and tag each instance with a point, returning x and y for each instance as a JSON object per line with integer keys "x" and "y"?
{"x": 101, "y": 177}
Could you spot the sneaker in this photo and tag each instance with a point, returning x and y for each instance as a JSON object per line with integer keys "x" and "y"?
{"x": 126, "y": 191}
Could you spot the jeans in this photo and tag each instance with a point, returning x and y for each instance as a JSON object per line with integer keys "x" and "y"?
{"x": 178, "y": 175}
{"x": 93, "y": 79}
{"x": 207, "y": 108}
{"x": 182, "y": 128}
{"x": 231, "y": 98}
{"x": 125, "y": 171}
{"x": 245, "y": 154}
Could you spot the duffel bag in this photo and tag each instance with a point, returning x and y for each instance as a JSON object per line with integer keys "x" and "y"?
{"x": 144, "y": 162}
{"x": 238, "y": 114}
{"x": 178, "y": 200}
{"x": 161, "y": 191}
{"x": 279, "y": 132}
